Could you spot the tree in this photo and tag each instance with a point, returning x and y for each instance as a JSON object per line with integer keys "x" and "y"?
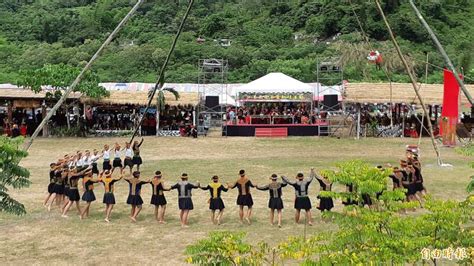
{"x": 161, "y": 102}
{"x": 11, "y": 174}
{"x": 57, "y": 78}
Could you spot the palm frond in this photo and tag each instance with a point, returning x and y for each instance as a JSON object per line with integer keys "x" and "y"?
{"x": 173, "y": 91}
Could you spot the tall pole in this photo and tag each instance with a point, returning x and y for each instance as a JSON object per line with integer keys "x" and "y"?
{"x": 412, "y": 78}
{"x": 442, "y": 51}
{"x": 81, "y": 75}
{"x": 161, "y": 76}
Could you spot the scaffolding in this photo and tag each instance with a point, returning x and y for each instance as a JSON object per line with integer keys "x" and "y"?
{"x": 212, "y": 82}
{"x": 330, "y": 77}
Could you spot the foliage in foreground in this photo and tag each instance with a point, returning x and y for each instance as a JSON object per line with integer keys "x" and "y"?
{"x": 11, "y": 174}
{"x": 468, "y": 150}
{"x": 365, "y": 236}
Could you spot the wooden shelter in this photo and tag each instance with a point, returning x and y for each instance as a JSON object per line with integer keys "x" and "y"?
{"x": 14, "y": 97}
{"x": 401, "y": 93}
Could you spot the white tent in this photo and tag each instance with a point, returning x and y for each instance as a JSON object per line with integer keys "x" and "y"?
{"x": 274, "y": 83}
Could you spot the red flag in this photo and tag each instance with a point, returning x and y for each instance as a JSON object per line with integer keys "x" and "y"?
{"x": 451, "y": 95}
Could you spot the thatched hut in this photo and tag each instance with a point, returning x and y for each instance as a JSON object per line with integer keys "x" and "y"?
{"x": 140, "y": 98}
{"x": 401, "y": 93}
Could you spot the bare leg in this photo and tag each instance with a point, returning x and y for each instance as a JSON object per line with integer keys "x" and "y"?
{"x": 78, "y": 207}
{"x": 137, "y": 211}
{"x": 213, "y": 213}
{"x": 162, "y": 216}
{"x": 132, "y": 211}
{"x": 53, "y": 197}
{"x": 45, "y": 203}
{"x": 279, "y": 218}
{"x": 249, "y": 214}
{"x": 157, "y": 218}
{"x": 297, "y": 216}
{"x": 185, "y": 218}
{"x": 241, "y": 213}
{"x": 308, "y": 217}
{"x": 66, "y": 202}
{"x": 219, "y": 216}
{"x": 272, "y": 215}
{"x": 85, "y": 210}
{"x": 66, "y": 209}
{"x": 181, "y": 215}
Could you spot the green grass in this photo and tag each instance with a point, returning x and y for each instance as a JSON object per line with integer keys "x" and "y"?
{"x": 45, "y": 238}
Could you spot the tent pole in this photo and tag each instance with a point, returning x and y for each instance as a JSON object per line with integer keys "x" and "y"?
{"x": 412, "y": 78}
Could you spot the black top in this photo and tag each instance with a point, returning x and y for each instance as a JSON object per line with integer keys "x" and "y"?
{"x": 74, "y": 180}
{"x": 324, "y": 186}
{"x": 108, "y": 184}
{"x": 215, "y": 188}
{"x": 184, "y": 189}
{"x": 244, "y": 185}
{"x": 52, "y": 179}
{"x": 157, "y": 187}
{"x": 135, "y": 186}
{"x": 301, "y": 186}
{"x": 274, "y": 188}
{"x": 395, "y": 180}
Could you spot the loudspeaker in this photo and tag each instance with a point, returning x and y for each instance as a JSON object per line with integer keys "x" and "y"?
{"x": 212, "y": 102}
{"x": 330, "y": 102}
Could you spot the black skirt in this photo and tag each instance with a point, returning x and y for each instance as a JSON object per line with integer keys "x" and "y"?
{"x": 106, "y": 165}
{"x": 158, "y": 200}
{"x": 137, "y": 160}
{"x": 58, "y": 189}
{"x": 275, "y": 203}
{"x": 74, "y": 195}
{"x": 302, "y": 203}
{"x": 109, "y": 198}
{"x": 127, "y": 162}
{"x": 66, "y": 191}
{"x": 216, "y": 204}
{"x": 135, "y": 200}
{"x": 117, "y": 163}
{"x": 411, "y": 189}
{"x": 419, "y": 187}
{"x": 185, "y": 204}
{"x": 88, "y": 196}
{"x": 95, "y": 169}
{"x": 51, "y": 188}
{"x": 325, "y": 203}
{"x": 245, "y": 200}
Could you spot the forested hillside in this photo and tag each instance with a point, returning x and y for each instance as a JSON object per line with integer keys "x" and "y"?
{"x": 265, "y": 35}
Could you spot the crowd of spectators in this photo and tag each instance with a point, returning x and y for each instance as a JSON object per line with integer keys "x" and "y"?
{"x": 276, "y": 113}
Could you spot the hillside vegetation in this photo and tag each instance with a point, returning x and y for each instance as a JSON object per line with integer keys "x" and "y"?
{"x": 266, "y": 36}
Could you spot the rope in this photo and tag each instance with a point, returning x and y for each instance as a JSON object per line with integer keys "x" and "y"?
{"x": 161, "y": 77}
{"x": 81, "y": 75}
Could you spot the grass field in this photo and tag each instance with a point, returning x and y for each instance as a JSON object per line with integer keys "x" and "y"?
{"x": 42, "y": 237}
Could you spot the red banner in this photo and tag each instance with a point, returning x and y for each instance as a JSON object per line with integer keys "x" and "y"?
{"x": 451, "y": 95}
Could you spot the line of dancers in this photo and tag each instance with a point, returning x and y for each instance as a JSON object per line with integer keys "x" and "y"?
{"x": 67, "y": 171}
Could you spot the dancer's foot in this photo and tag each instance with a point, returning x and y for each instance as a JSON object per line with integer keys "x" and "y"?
{"x": 248, "y": 220}
{"x": 279, "y": 225}
{"x": 64, "y": 216}
{"x": 310, "y": 223}
{"x": 107, "y": 220}
{"x": 49, "y": 207}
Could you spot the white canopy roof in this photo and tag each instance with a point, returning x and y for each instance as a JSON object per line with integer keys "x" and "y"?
{"x": 275, "y": 83}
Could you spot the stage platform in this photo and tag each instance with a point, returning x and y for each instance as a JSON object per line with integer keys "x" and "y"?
{"x": 248, "y": 130}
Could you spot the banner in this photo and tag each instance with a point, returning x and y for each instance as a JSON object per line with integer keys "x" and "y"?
{"x": 450, "y": 112}
{"x": 451, "y": 95}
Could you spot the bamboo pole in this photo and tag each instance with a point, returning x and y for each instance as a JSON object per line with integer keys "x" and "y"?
{"x": 412, "y": 78}
{"x": 161, "y": 77}
{"x": 81, "y": 75}
{"x": 442, "y": 51}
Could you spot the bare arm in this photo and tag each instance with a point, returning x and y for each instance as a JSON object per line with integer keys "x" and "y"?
{"x": 287, "y": 181}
